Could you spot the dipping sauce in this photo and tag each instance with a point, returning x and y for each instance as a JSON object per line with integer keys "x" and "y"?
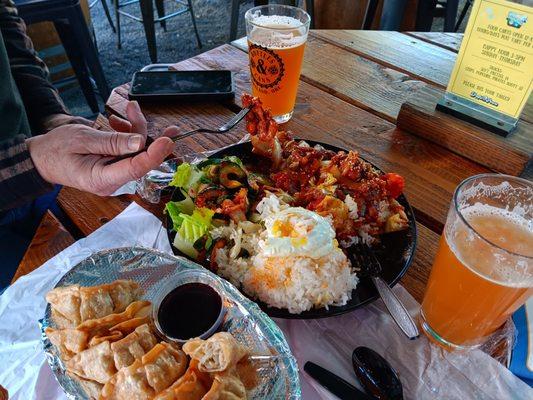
{"x": 189, "y": 310}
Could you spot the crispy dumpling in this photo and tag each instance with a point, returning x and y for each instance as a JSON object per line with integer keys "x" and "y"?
{"x": 216, "y": 354}
{"x": 72, "y": 305}
{"x": 65, "y": 303}
{"x": 133, "y": 346}
{"x": 150, "y": 375}
{"x": 95, "y": 363}
{"x": 193, "y": 385}
{"x": 99, "y": 301}
{"x": 101, "y": 326}
{"x": 226, "y": 386}
{"x": 69, "y": 341}
{"x": 91, "y": 388}
{"x": 111, "y": 336}
{"x": 130, "y": 325}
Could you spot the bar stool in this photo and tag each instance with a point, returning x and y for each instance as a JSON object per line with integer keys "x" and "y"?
{"x": 72, "y": 29}
{"x": 148, "y": 21}
{"x": 235, "y": 5}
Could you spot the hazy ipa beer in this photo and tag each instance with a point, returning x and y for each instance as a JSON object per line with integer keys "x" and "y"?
{"x": 276, "y": 42}
{"x": 483, "y": 270}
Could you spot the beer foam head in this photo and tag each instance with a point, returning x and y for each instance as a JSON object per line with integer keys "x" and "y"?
{"x": 277, "y": 31}
{"x": 501, "y": 250}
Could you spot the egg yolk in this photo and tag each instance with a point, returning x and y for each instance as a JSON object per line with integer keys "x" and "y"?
{"x": 283, "y": 229}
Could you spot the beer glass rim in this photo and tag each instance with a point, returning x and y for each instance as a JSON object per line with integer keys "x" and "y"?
{"x": 463, "y": 219}
{"x": 248, "y": 18}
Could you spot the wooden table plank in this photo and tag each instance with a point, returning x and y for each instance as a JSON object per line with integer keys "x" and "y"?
{"x": 374, "y": 87}
{"x": 446, "y": 40}
{"x": 185, "y": 116}
{"x": 89, "y": 211}
{"x": 50, "y": 238}
{"x": 432, "y": 64}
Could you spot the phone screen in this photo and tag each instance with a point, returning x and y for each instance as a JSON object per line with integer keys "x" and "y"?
{"x": 181, "y": 82}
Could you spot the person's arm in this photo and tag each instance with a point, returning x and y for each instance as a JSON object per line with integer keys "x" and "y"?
{"x": 40, "y": 98}
{"x": 19, "y": 180}
{"x": 80, "y": 157}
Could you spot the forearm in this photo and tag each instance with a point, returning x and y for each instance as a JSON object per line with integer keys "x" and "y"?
{"x": 40, "y": 98}
{"x": 19, "y": 180}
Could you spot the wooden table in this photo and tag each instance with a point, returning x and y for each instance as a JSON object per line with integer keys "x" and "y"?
{"x": 352, "y": 86}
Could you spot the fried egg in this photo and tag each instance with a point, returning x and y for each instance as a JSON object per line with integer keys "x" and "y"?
{"x": 296, "y": 231}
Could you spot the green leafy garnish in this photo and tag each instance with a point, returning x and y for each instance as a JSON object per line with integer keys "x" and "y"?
{"x": 175, "y": 209}
{"x": 192, "y": 228}
{"x": 186, "y": 176}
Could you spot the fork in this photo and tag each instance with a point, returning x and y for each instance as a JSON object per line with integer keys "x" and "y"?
{"x": 221, "y": 129}
{"x": 364, "y": 257}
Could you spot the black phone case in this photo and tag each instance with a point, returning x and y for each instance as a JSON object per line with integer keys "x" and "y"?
{"x": 181, "y": 97}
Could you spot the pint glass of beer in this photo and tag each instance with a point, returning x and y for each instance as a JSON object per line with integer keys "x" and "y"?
{"x": 483, "y": 270}
{"x": 276, "y": 42}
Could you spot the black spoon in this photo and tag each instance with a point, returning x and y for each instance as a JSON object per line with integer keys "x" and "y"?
{"x": 376, "y": 375}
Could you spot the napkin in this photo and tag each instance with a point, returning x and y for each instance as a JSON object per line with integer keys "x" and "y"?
{"x": 426, "y": 371}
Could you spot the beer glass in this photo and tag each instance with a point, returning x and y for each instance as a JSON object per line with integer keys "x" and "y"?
{"x": 483, "y": 270}
{"x": 276, "y": 42}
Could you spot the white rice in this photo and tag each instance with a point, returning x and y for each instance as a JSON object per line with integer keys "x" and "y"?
{"x": 295, "y": 283}
{"x": 301, "y": 283}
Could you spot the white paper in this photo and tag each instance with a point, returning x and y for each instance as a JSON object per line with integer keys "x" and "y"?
{"x": 426, "y": 371}
{"x": 23, "y": 369}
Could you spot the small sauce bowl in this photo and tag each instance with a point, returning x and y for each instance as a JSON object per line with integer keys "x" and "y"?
{"x": 189, "y": 305}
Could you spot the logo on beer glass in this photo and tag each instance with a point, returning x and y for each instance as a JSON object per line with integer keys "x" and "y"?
{"x": 266, "y": 66}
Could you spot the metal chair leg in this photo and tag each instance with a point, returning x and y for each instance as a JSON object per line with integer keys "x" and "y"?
{"x": 160, "y": 6}
{"x": 64, "y": 30}
{"x": 108, "y": 15}
{"x": 452, "y": 7}
{"x": 147, "y": 11}
{"x": 467, "y": 5}
{"x": 234, "y": 19}
{"x": 310, "y": 7}
{"x": 370, "y": 14}
{"x": 82, "y": 38}
{"x": 191, "y": 10}
{"x": 424, "y": 15}
{"x": 116, "y": 4}
{"x": 392, "y": 15}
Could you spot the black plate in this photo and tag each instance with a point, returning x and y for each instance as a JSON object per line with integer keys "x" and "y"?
{"x": 395, "y": 252}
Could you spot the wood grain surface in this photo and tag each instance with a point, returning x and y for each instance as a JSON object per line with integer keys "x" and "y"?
{"x": 509, "y": 155}
{"x": 50, "y": 238}
{"x": 449, "y": 41}
{"x": 395, "y": 50}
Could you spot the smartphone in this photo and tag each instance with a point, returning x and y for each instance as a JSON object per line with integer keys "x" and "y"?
{"x": 182, "y": 85}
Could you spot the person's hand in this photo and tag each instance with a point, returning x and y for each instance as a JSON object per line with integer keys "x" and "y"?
{"x": 82, "y": 157}
{"x": 56, "y": 120}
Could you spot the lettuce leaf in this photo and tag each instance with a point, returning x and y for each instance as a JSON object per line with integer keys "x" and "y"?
{"x": 175, "y": 209}
{"x": 182, "y": 175}
{"x": 192, "y": 228}
{"x": 186, "y": 176}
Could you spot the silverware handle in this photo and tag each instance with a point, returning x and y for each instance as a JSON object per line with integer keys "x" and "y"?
{"x": 396, "y": 309}
{"x": 187, "y": 134}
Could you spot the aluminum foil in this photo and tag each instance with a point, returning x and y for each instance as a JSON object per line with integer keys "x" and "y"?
{"x": 276, "y": 366}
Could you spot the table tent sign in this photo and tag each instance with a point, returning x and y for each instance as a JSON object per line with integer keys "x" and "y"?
{"x": 492, "y": 78}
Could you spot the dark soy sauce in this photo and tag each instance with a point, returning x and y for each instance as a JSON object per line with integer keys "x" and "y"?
{"x": 189, "y": 311}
